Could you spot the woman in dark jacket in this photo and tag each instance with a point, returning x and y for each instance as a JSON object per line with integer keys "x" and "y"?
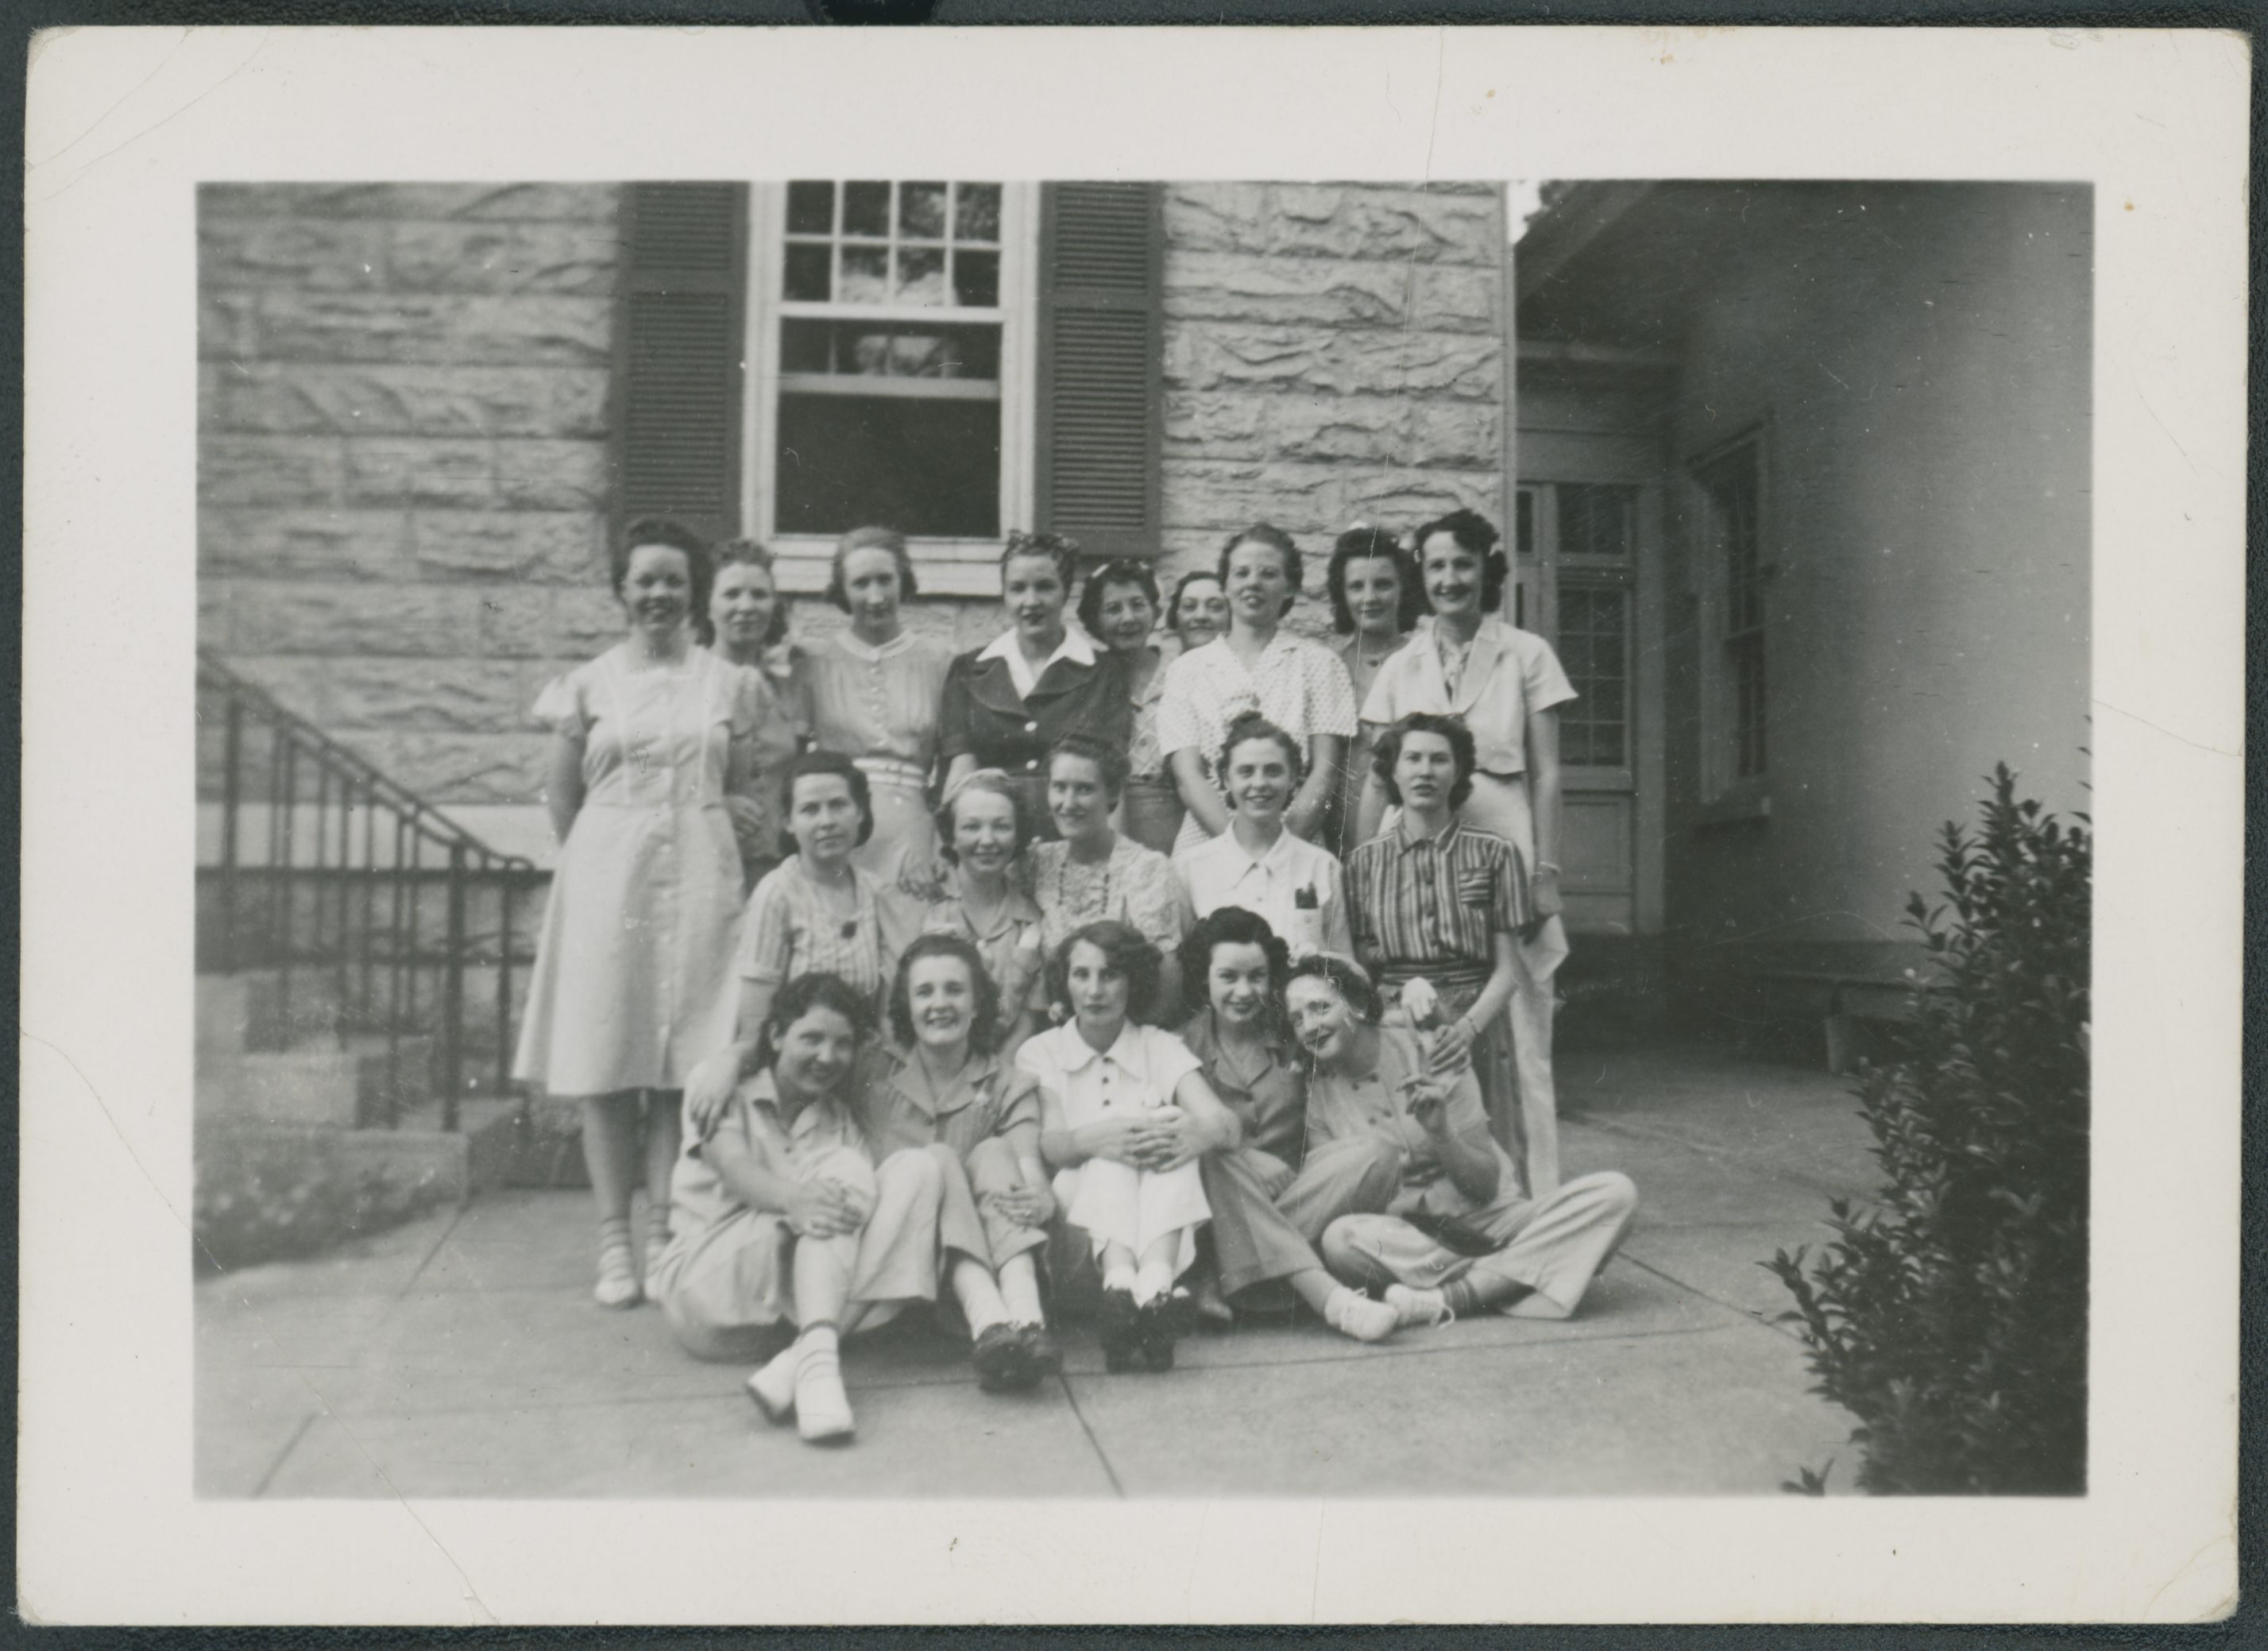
{"x": 1007, "y": 703}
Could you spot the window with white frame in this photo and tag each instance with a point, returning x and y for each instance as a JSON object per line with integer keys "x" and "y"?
{"x": 1729, "y": 483}
{"x": 890, "y": 336}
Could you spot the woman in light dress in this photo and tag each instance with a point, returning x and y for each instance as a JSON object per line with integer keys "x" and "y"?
{"x": 747, "y": 621}
{"x": 633, "y": 983}
{"x": 1376, "y": 602}
{"x": 1119, "y": 609}
{"x": 871, "y": 691}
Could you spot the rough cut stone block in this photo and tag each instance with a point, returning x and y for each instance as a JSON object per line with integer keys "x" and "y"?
{"x": 502, "y": 767}
{"x": 1226, "y": 355}
{"x": 1381, "y": 430}
{"x": 213, "y": 613}
{"x": 565, "y": 625}
{"x": 1329, "y": 293}
{"x": 1222, "y": 494}
{"x": 568, "y": 258}
{"x": 1216, "y": 216}
{"x": 532, "y": 547}
{"x": 553, "y": 474}
{"x": 301, "y": 254}
{"x": 520, "y": 331}
{"x": 415, "y": 471}
{"x": 1216, "y": 425}
{"x": 583, "y": 202}
{"x": 585, "y": 619}
{"x": 270, "y": 469}
{"x": 356, "y": 544}
{"x": 463, "y": 695}
{"x": 1403, "y": 498}
{"x": 227, "y": 323}
{"x": 1369, "y": 221}
{"x": 277, "y": 616}
{"x": 277, "y": 398}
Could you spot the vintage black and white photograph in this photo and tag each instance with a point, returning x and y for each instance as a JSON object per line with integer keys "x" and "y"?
{"x": 1136, "y": 839}
{"x": 1076, "y": 867}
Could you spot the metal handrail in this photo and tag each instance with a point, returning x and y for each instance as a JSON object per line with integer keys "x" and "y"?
{"x": 339, "y": 888}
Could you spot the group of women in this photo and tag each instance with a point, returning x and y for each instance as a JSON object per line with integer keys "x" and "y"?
{"x": 859, "y": 1051}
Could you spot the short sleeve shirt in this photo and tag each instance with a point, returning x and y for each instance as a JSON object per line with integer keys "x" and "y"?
{"x": 791, "y": 930}
{"x": 699, "y": 1198}
{"x": 1342, "y": 1107}
{"x": 1432, "y": 905}
{"x": 1510, "y": 675}
{"x": 1296, "y": 885}
{"x": 1300, "y": 685}
{"x": 1140, "y": 1071}
{"x": 898, "y": 1108}
{"x": 1135, "y": 885}
{"x": 1269, "y": 1099}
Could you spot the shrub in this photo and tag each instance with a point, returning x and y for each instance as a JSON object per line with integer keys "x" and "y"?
{"x": 1951, "y": 1318}
{"x": 282, "y": 1198}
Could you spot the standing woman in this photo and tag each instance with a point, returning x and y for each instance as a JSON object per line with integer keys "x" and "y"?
{"x": 1005, "y": 703}
{"x": 1376, "y": 602}
{"x": 1506, "y": 685}
{"x": 1119, "y": 609}
{"x": 747, "y": 619}
{"x": 1199, "y": 611}
{"x": 633, "y": 982}
{"x": 1297, "y": 684}
{"x": 871, "y": 691}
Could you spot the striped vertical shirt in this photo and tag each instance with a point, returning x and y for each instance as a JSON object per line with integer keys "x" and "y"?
{"x": 1430, "y": 905}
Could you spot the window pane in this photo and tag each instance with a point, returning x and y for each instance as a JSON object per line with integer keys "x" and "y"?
{"x": 926, "y": 468}
{"x": 921, "y": 212}
{"x": 977, "y": 279}
{"x": 866, "y": 210}
{"x": 1523, "y": 513}
{"x": 921, "y": 275}
{"x": 865, "y": 276}
{"x": 806, "y": 278}
{"x": 976, "y": 212}
{"x": 805, "y": 346}
{"x": 810, "y": 209}
{"x": 1596, "y": 520}
{"x": 1595, "y": 727}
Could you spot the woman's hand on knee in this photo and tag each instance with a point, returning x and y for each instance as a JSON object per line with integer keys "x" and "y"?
{"x": 823, "y": 1209}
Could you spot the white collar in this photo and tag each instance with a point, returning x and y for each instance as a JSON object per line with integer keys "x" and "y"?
{"x": 1273, "y": 856}
{"x": 1124, "y": 1053}
{"x": 1075, "y": 646}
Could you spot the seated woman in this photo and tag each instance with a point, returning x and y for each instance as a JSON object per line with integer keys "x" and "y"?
{"x": 780, "y": 1216}
{"x": 817, "y": 913}
{"x": 1256, "y": 864}
{"x": 1437, "y": 907}
{"x": 1273, "y": 1194}
{"x": 981, "y": 831}
{"x": 1458, "y": 1237}
{"x": 943, "y": 1089}
{"x": 1095, "y": 875}
{"x": 1125, "y": 1115}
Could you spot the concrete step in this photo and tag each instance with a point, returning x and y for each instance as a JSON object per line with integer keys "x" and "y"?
{"x": 308, "y": 1089}
{"x": 255, "y": 1012}
{"x": 395, "y": 1085}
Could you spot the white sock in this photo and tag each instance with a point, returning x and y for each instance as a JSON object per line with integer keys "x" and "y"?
{"x": 1153, "y": 1279}
{"x": 1119, "y": 1278}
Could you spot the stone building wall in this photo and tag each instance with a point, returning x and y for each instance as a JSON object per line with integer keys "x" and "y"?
{"x": 403, "y": 407}
{"x": 1333, "y": 354}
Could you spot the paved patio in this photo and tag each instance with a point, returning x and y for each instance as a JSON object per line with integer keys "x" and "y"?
{"x": 461, "y": 1356}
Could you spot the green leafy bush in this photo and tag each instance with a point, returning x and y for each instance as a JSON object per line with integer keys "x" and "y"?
{"x": 283, "y": 1199}
{"x": 1951, "y": 1317}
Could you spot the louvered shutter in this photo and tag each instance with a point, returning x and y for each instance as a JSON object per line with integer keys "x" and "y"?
{"x": 679, "y": 346}
{"x": 1098, "y": 425}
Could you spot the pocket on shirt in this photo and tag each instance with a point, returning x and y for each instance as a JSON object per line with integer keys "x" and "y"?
{"x": 1475, "y": 888}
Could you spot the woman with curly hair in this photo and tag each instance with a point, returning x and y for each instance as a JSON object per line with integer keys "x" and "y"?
{"x": 982, "y": 832}
{"x": 1041, "y": 679}
{"x": 1119, "y": 609}
{"x": 942, "y": 1088}
{"x": 1125, "y": 1115}
{"x": 1376, "y": 602}
{"x": 1256, "y": 863}
{"x": 1091, "y": 873}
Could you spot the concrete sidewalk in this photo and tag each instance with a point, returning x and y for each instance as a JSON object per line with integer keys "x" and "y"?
{"x": 461, "y": 1356}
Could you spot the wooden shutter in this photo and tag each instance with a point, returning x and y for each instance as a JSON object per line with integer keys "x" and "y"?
{"x": 1098, "y": 425}
{"x": 679, "y": 346}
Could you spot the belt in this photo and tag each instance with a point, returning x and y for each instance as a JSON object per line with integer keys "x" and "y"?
{"x": 888, "y": 770}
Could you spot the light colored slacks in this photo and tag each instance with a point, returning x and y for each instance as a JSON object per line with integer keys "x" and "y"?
{"x": 1501, "y": 806}
{"x": 1117, "y": 1204}
{"x": 1267, "y": 1217}
{"x": 1555, "y": 1245}
{"x": 727, "y": 1289}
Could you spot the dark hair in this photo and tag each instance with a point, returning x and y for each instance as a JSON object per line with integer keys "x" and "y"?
{"x": 1110, "y": 760}
{"x": 750, "y": 553}
{"x": 813, "y": 763}
{"x": 1174, "y": 607}
{"x": 984, "y": 1025}
{"x": 995, "y": 783}
{"x": 1276, "y": 539}
{"x": 660, "y": 530}
{"x": 888, "y": 539}
{"x": 1121, "y": 570}
{"x": 799, "y": 998}
{"x": 1250, "y": 725}
{"x": 1232, "y": 925}
{"x": 1130, "y": 954}
{"x": 1365, "y": 544}
{"x": 1460, "y": 737}
{"x": 1477, "y": 533}
{"x": 1059, "y": 549}
{"x": 1346, "y": 977}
